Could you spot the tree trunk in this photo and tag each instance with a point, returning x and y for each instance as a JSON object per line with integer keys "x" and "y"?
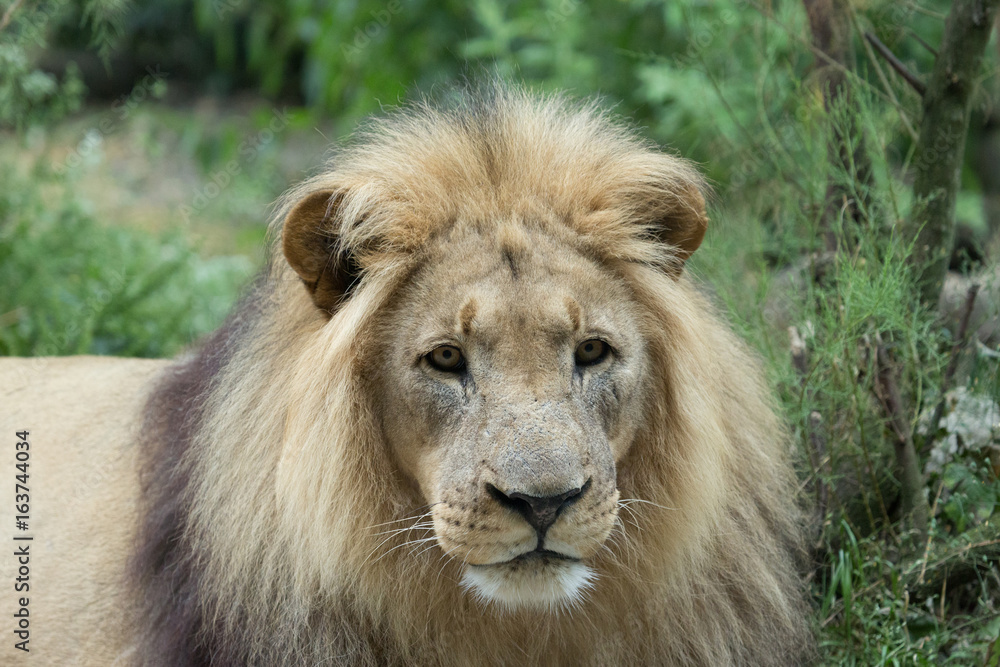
{"x": 940, "y": 148}
{"x": 988, "y": 169}
{"x": 831, "y": 30}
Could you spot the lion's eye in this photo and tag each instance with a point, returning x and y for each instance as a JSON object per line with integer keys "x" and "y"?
{"x": 446, "y": 358}
{"x": 589, "y": 352}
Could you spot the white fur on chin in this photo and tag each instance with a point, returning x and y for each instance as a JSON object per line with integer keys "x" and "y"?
{"x": 539, "y": 584}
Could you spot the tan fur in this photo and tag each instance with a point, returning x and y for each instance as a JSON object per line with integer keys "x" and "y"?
{"x": 519, "y": 227}
{"x": 83, "y": 415}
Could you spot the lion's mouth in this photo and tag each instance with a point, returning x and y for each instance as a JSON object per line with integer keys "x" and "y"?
{"x": 539, "y": 579}
{"x": 534, "y": 557}
{"x": 540, "y": 555}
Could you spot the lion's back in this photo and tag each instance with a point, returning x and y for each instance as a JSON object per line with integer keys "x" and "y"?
{"x": 82, "y": 416}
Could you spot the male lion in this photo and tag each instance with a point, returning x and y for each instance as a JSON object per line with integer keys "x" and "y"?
{"x": 473, "y": 413}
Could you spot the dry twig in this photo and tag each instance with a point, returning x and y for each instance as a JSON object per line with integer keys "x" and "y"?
{"x": 955, "y": 569}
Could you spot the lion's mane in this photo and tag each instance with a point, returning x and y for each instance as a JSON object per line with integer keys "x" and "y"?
{"x": 265, "y": 474}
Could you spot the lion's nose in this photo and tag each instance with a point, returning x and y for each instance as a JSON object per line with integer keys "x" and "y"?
{"x": 539, "y": 512}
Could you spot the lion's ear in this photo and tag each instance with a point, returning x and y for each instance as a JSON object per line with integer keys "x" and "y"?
{"x": 683, "y": 222}
{"x": 311, "y": 246}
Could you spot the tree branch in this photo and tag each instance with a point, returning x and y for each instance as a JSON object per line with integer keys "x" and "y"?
{"x": 960, "y": 341}
{"x": 912, "y": 493}
{"x": 896, "y": 64}
{"x": 923, "y": 43}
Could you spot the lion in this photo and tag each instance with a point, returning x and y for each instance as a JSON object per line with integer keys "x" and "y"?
{"x": 474, "y": 412}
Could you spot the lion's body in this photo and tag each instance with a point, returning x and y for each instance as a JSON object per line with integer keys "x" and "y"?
{"x": 82, "y": 414}
{"x": 273, "y": 465}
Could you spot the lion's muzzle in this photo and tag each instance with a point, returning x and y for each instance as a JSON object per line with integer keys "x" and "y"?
{"x": 539, "y": 512}
{"x": 527, "y": 551}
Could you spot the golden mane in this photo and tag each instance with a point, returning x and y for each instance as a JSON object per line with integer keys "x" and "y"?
{"x": 267, "y": 481}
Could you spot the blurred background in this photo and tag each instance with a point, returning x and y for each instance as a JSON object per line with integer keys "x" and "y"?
{"x": 142, "y": 143}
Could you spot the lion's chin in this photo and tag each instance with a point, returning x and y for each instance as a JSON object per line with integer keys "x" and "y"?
{"x": 536, "y": 582}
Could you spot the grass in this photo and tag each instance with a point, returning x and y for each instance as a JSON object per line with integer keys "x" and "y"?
{"x": 867, "y": 565}
{"x": 864, "y": 558}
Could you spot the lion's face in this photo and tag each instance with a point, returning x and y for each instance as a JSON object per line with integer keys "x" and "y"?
{"x": 513, "y": 370}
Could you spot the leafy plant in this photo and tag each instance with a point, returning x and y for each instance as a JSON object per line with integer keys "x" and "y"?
{"x": 74, "y": 286}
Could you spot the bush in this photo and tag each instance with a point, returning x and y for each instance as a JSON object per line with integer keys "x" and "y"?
{"x": 74, "y": 286}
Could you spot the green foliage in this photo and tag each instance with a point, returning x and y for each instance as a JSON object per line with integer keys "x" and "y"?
{"x": 349, "y": 58}
{"x": 28, "y": 93}
{"x": 73, "y": 286}
{"x": 104, "y": 21}
{"x": 765, "y": 262}
{"x": 972, "y": 500}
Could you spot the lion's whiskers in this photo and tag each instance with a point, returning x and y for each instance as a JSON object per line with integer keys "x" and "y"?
{"x": 410, "y": 543}
{"x": 618, "y": 538}
{"x": 632, "y": 517}
{"x": 422, "y": 522}
{"x": 425, "y": 549}
{"x": 416, "y": 517}
{"x": 628, "y": 501}
{"x": 446, "y": 557}
{"x": 424, "y": 525}
{"x": 391, "y": 535}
